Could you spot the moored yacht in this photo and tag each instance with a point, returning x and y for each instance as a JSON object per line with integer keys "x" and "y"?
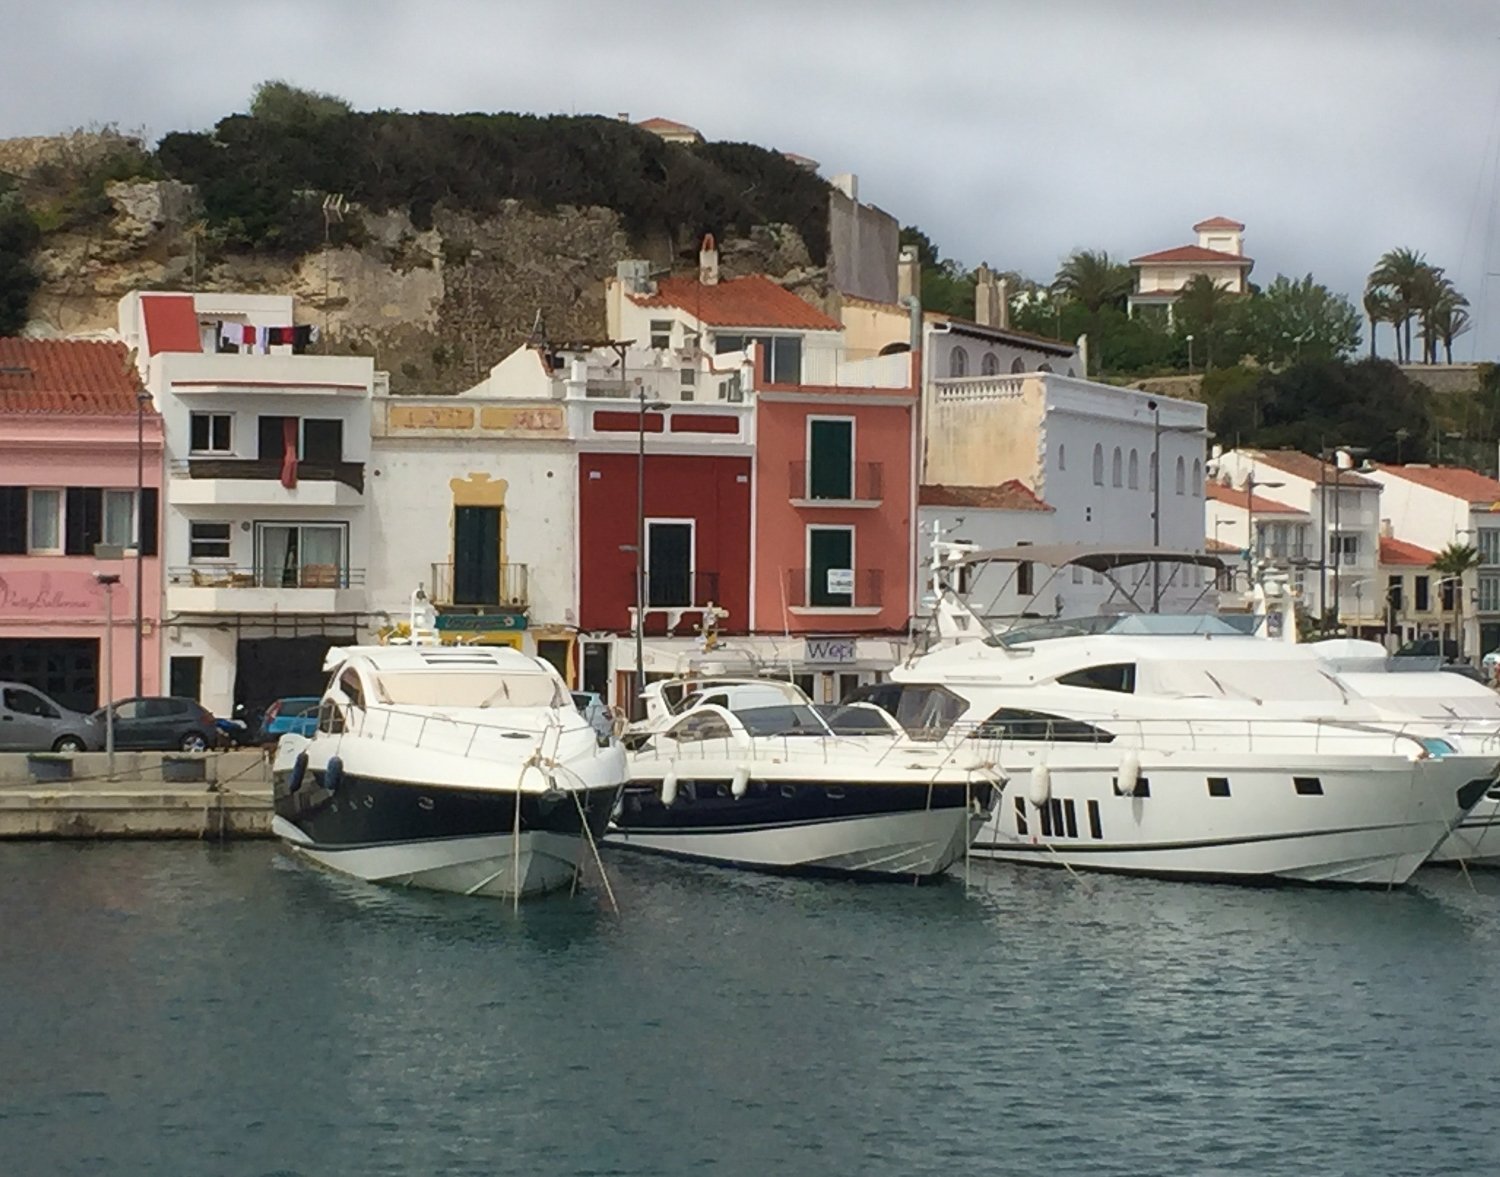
{"x": 750, "y": 774}
{"x": 464, "y": 769}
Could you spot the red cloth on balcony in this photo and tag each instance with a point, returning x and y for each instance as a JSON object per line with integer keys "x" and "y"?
{"x": 289, "y": 452}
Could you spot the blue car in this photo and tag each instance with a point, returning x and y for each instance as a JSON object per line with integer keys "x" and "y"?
{"x": 296, "y": 714}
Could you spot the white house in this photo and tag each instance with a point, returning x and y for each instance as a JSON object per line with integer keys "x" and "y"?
{"x": 265, "y": 527}
{"x": 1218, "y": 253}
{"x": 989, "y": 517}
{"x": 1283, "y": 535}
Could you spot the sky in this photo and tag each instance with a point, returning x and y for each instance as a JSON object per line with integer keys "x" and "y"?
{"x": 1011, "y": 132}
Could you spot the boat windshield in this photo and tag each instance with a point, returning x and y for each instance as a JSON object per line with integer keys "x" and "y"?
{"x": 448, "y": 688}
{"x": 1138, "y": 624}
{"x": 798, "y": 720}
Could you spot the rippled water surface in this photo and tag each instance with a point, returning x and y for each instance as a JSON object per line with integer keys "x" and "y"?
{"x": 178, "y": 1009}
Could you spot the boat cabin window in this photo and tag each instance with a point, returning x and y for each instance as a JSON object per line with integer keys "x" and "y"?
{"x": 857, "y": 719}
{"x": 923, "y": 710}
{"x": 353, "y": 691}
{"x": 1012, "y": 723}
{"x": 330, "y": 717}
{"x": 1116, "y": 676}
{"x": 449, "y": 688}
{"x": 701, "y": 726}
{"x": 788, "y": 720}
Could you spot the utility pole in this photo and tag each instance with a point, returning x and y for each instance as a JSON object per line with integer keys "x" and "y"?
{"x": 141, "y": 397}
{"x": 1155, "y": 501}
{"x": 108, "y": 580}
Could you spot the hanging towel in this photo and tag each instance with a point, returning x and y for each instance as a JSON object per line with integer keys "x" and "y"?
{"x": 247, "y": 335}
{"x": 301, "y": 337}
{"x": 289, "y": 452}
{"x": 231, "y": 335}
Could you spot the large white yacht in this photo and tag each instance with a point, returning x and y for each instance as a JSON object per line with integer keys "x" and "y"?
{"x": 464, "y": 769}
{"x": 1466, "y": 712}
{"x": 750, "y": 774}
{"x": 1182, "y": 746}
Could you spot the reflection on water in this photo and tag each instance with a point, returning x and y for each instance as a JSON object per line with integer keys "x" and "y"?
{"x": 180, "y": 1009}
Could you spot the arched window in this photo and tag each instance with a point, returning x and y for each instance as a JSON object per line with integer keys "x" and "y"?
{"x": 1181, "y": 475}
{"x": 1044, "y": 367}
{"x": 1018, "y": 365}
{"x": 989, "y": 364}
{"x": 1135, "y": 470}
{"x": 1071, "y": 372}
{"x": 1062, "y": 457}
{"x": 958, "y": 362}
{"x": 1098, "y": 465}
{"x": 1197, "y": 477}
{"x": 1116, "y": 469}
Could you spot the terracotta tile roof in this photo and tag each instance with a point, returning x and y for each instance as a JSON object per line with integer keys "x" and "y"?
{"x": 1218, "y": 223}
{"x": 1457, "y": 481}
{"x": 753, "y": 301}
{"x": 1193, "y": 253}
{"x": 1307, "y": 467}
{"x": 1012, "y": 495}
{"x": 1398, "y": 551}
{"x": 171, "y": 323}
{"x": 1217, "y": 545}
{"x": 660, "y": 126}
{"x": 67, "y": 376}
{"x": 1236, "y": 498}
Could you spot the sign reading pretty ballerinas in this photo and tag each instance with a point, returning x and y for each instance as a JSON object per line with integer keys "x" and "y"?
{"x": 39, "y": 596}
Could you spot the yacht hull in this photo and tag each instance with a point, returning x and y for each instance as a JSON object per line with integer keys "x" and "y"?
{"x": 893, "y": 831}
{"x": 1357, "y": 824}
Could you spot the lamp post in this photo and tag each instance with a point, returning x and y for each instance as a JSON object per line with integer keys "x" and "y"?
{"x": 108, "y": 580}
{"x": 640, "y": 526}
{"x": 1190, "y": 354}
{"x": 1155, "y": 501}
{"x": 1250, "y": 485}
{"x": 1342, "y": 457}
{"x": 141, "y": 397}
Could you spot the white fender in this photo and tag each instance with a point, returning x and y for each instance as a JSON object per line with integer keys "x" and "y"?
{"x": 669, "y": 789}
{"x": 1130, "y": 774}
{"x": 1040, "y": 790}
{"x": 739, "y": 785}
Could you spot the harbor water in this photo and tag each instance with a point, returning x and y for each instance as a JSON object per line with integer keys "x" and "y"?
{"x": 181, "y": 1009}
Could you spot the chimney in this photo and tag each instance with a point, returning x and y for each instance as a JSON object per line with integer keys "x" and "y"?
{"x": 848, "y": 184}
{"x": 623, "y": 116}
{"x": 908, "y": 274}
{"x": 1386, "y": 530}
{"x": 1003, "y": 303}
{"x": 986, "y": 296}
{"x": 708, "y": 261}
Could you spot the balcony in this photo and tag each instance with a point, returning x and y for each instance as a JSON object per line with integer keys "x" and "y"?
{"x": 863, "y": 486}
{"x": 312, "y": 588}
{"x": 867, "y": 597}
{"x": 679, "y": 590}
{"x": 508, "y": 592}
{"x": 253, "y": 482}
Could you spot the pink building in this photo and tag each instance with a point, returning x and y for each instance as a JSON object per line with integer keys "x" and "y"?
{"x": 72, "y": 431}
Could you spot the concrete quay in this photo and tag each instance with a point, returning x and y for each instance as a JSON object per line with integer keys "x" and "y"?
{"x": 211, "y": 795}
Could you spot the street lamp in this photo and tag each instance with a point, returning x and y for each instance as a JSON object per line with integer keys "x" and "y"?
{"x": 1342, "y": 457}
{"x": 108, "y": 580}
{"x": 640, "y": 528}
{"x": 1155, "y": 501}
{"x": 141, "y": 397}
{"x": 1250, "y": 485}
{"x": 1190, "y": 354}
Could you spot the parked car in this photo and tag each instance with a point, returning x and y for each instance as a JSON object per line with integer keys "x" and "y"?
{"x": 32, "y": 722}
{"x": 295, "y": 715}
{"x": 161, "y": 722}
{"x": 595, "y": 710}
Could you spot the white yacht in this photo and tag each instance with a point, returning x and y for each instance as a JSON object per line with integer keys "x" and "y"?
{"x": 1180, "y": 746}
{"x": 464, "y": 769}
{"x": 1466, "y": 712}
{"x": 750, "y": 774}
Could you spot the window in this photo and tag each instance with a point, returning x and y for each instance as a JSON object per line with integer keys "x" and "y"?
{"x": 958, "y": 362}
{"x": 989, "y": 364}
{"x": 689, "y": 381}
{"x": 1489, "y": 545}
{"x": 1307, "y": 786}
{"x": 1449, "y": 594}
{"x": 1135, "y": 470}
{"x": 208, "y": 541}
{"x": 1116, "y": 469}
{"x": 703, "y": 726}
{"x": 661, "y": 334}
{"x": 780, "y": 355}
{"x": 322, "y": 440}
{"x": 1197, "y": 477}
{"x": 1018, "y": 365}
{"x": 1115, "y": 676}
{"x": 1098, "y": 465}
{"x": 1422, "y": 602}
{"x": 1218, "y": 786}
{"x": 212, "y": 433}
{"x": 1044, "y": 367}
{"x": 1489, "y": 593}
{"x": 1393, "y": 592}
{"x": 1012, "y": 723}
{"x": 349, "y": 684}
{"x": 24, "y": 702}
{"x": 119, "y": 517}
{"x": 1024, "y": 574}
{"x": 669, "y": 562}
{"x": 1096, "y": 828}
{"x": 1346, "y": 548}
{"x": 830, "y": 566}
{"x": 1062, "y": 457}
{"x": 1181, "y": 475}
{"x": 46, "y": 522}
{"x": 301, "y": 555}
{"x": 830, "y": 458}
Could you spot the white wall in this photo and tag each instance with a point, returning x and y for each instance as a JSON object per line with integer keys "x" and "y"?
{"x": 940, "y": 346}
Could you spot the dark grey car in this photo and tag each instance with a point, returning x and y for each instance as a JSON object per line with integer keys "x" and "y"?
{"x": 32, "y": 722}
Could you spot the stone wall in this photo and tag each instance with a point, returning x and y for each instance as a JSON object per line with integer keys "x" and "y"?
{"x": 1444, "y": 378}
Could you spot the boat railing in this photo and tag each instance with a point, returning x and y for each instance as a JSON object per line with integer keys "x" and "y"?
{"x": 436, "y": 732}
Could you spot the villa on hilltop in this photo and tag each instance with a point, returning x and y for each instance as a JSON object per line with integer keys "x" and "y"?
{"x": 1219, "y": 253}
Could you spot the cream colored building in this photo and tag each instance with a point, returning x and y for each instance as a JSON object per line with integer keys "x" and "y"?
{"x": 1219, "y": 253}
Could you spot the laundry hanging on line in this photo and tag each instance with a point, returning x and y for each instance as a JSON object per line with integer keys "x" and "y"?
{"x": 242, "y": 337}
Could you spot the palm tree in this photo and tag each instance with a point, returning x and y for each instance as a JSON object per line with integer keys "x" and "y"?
{"x": 1453, "y": 562}
{"x": 1450, "y": 319}
{"x": 1380, "y": 303}
{"x": 1433, "y": 290}
{"x": 1091, "y": 279}
{"x": 1203, "y": 307}
{"x": 1403, "y": 272}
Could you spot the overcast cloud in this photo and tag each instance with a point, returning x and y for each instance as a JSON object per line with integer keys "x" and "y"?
{"x": 1012, "y": 132}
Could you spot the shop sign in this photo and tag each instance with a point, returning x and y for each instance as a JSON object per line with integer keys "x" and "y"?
{"x": 835, "y": 651}
{"x": 44, "y": 595}
{"x": 480, "y": 622}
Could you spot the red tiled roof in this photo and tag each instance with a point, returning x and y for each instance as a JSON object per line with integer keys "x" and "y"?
{"x": 1398, "y": 551}
{"x": 171, "y": 323}
{"x": 1258, "y": 503}
{"x": 659, "y": 125}
{"x": 1217, "y": 545}
{"x": 1312, "y": 469}
{"x": 1457, "y": 481}
{"x": 1218, "y": 223}
{"x": 67, "y": 376}
{"x": 1012, "y": 495}
{"x": 753, "y": 301}
{"x": 1193, "y": 253}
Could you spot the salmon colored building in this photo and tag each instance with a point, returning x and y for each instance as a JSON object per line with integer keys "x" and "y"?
{"x": 74, "y": 437}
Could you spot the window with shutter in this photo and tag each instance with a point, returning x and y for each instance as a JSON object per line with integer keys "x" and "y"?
{"x": 84, "y": 518}
{"x": 12, "y": 520}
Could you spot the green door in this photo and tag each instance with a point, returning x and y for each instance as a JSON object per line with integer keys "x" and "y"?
{"x": 830, "y": 460}
{"x": 476, "y": 556}
{"x": 830, "y": 549}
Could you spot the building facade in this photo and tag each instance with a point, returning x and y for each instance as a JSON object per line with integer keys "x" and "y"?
{"x": 80, "y": 489}
{"x": 266, "y": 535}
{"x": 1218, "y": 253}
